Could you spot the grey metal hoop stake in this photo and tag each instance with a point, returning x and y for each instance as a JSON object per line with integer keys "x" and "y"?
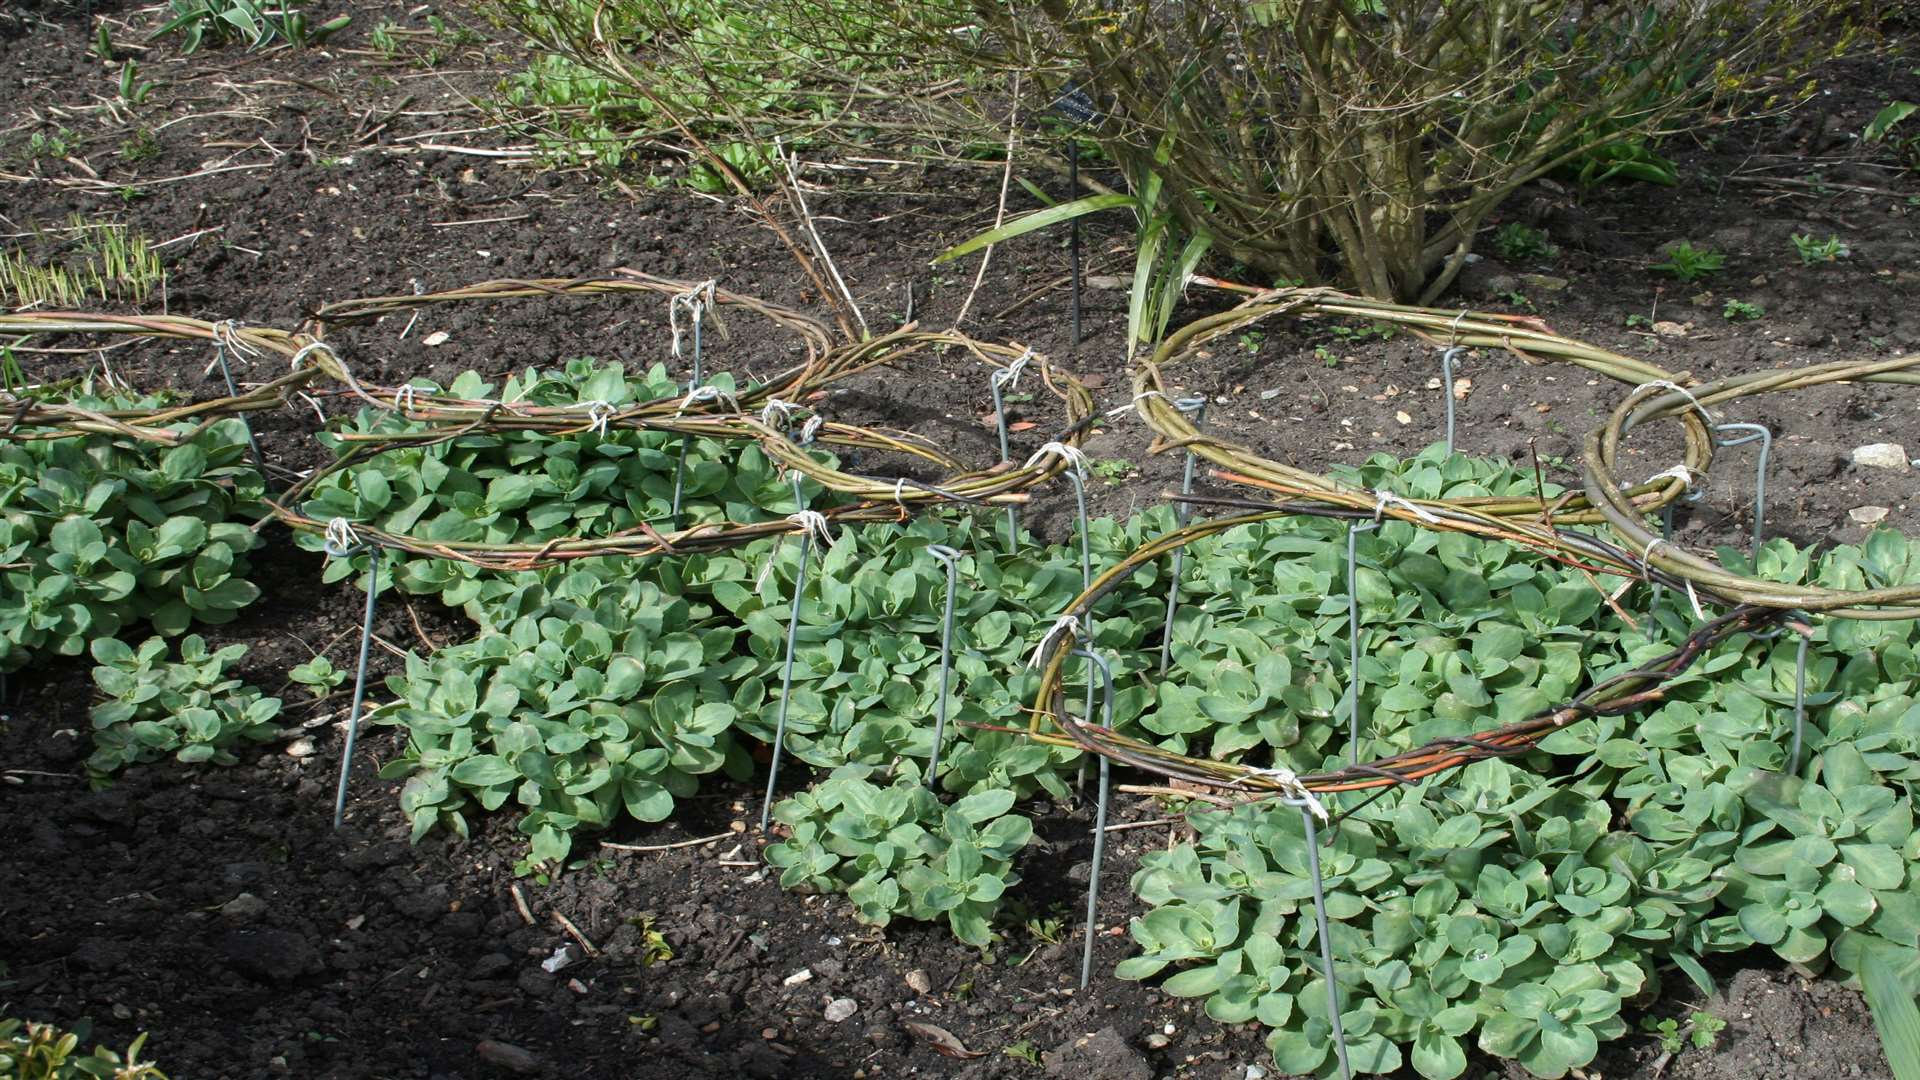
{"x": 1751, "y": 433}
{"x": 1446, "y": 386}
{"x": 786, "y": 665}
{"x": 1198, "y": 407}
{"x": 1006, "y": 377}
{"x": 1079, "y": 481}
{"x": 686, "y": 441}
{"x": 1097, "y": 663}
{"x": 951, "y": 558}
{"x": 226, "y": 374}
{"x": 1307, "y": 806}
{"x": 343, "y": 543}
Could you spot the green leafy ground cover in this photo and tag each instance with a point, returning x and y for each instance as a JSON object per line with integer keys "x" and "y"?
{"x": 1518, "y": 906}
{"x": 95, "y": 535}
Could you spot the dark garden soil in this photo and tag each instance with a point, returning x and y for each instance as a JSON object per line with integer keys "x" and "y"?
{"x": 218, "y": 909}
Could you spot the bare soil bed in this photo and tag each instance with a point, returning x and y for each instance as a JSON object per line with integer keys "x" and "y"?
{"x": 217, "y": 909}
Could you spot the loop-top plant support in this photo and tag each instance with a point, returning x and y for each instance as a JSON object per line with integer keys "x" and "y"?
{"x": 717, "y": 303}
{"x": 31, "y": 418}
{"x": 755, "y": 414}
{"x": 1624, "y": 514}
{"x": 1051, "y": 722}
{"x": 1523, "y": 336}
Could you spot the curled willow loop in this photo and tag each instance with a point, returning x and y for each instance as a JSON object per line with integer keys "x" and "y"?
{"x": 1624, "y": 514}
{"x": 1524, "y": 337}
{"x": 1621, "y": 693}
{"x": 742, "y": 418}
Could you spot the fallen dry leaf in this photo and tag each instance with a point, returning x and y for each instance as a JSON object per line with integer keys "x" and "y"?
{"x": 1023, "y": 425}
{"x": 943, "y": 1041}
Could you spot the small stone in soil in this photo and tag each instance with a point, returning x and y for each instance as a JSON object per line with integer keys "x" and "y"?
{"x": 244, "y": 908}
{"x": 798, "y": 977}
{"x": 1882, "y": 456}
{"x": 507, "y": 1056}
{"x": 918, "y": 980}
{"x": 490, "y": 965}
{"x": 1104, "y": 1054}
{"x": 840, "y": 1009}
{"x": 1868, "y": 515}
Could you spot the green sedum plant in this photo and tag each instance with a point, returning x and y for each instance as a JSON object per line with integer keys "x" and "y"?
{"x": 96, "y": 535}
{"x": 1516, "y": 907}
{"x": 34, "y": 1051}
{"x": 604, "y": 690}
{"x": 897, "y": 851}
{"x": 188, "y": 707}
{"x": 522, "y": 487}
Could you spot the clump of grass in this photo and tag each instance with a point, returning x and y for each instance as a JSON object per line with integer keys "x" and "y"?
{"x": 108, "y": 261}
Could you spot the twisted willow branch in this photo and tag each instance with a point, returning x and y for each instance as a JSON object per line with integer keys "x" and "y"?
{"x": 33, "y": 419}
{"x": 813, "y": 334}
{"x": 726, "y": 417}
{"x": 1524, "y": 337}
{"x": 1621, "y": 693}
{"x": 1624, "y": 515}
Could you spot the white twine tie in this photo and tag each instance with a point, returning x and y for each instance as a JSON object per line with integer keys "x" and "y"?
{"x": 1667, "y": 384}
{"x": 226, "y": 336}
{"x": 777, "y": 412}
{"x": 1384, "y": 498}
{"x": 1009, "y": 377}
{"x": 1646, "y": 560}
{"x": 1070, "y": 455}
{"x": 308, "y": 350}
{"x": 403, "y": 399}
{"x": 1679, "y": 472}
{"x": 705, "y": 393}
{"x": 598, "y": 413}
{"x": 814, "y": 523}
{"x": 811, "y": 428}
{"x": 696, "y": 300}
{"x": 1135, "y": 403}
{"x": 1066, "y": 624}
{"x": 1292, "y": 789}
{"x": 340, "y": 537}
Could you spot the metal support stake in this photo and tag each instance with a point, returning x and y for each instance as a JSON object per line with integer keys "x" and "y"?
{"x": 1752, "y": 433}
{"x": 786, "y": 665}
{"x": 246, "y": 424}
{"x": 1097, "y": 663}
{"x": 1320, "y": 923}
{"x": 1079, "y": 482}
{"x": 1446, "y": 386}
{"x": 1198, "y": 407}
{"x": 1005, "y": 376}
{"x": 951, "y": 558}
{"x": 336, "y": 548}
{"x": 686, "y": 441}
{"x": 1353, "y": 635}
{"x": 1659, "y": 590}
